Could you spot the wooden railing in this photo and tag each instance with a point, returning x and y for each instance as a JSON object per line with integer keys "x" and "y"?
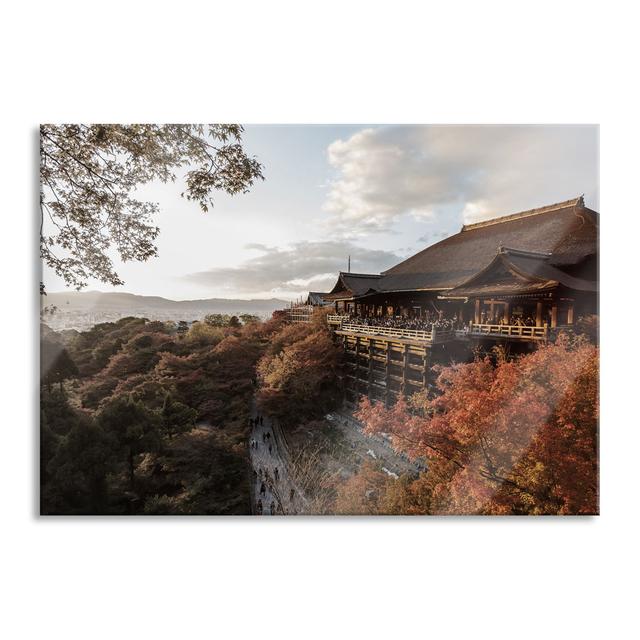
{"x": 302, "y": 313}
{"x": 435, "y": 335}
{"x": 335, "y": 319}
{"x": 509, "y": 330}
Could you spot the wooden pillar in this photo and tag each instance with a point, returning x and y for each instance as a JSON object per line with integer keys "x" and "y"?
{"x": 405, "y": 365}
{"x": 387, "y": 373}
{"x": 538, "y": 314}
{"x": 425, "y": 371}
{"x": 507, "y": 313}
{"x": 554, "y": 315}
{"x": 477, "y": 312}
{"x": 570, "y": 314}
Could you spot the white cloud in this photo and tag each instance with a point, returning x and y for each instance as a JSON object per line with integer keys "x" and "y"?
{"x": 473, "y": 172}
{"x": 295, "y": 269}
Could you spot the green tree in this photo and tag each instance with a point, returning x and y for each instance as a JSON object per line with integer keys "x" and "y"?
{"x": 78, "y": 472}
{"x": 248, "y": 318}
{"x": 217, "y": 319}
{"x": 133, "y": 428}
{"x": 56, "y": 364}
{"x": 76, "y": 457}
{"x": 176, "y": 417}
{"x": 182, "y": 328}
{"x": 89, "y": 175}
{"x": 201, "y": 333}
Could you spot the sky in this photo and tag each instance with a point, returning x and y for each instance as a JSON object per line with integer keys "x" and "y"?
{"x": 378, "y": 193}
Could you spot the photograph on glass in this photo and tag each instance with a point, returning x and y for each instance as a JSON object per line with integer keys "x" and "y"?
{"x": 319, "y": 319}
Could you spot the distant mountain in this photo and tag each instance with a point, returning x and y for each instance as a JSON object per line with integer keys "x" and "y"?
{"x": 81, "y": 310}
{"x": 129, "y": 302}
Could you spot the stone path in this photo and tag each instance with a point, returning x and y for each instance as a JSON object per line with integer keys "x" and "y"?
{"x": 277, "y": 496}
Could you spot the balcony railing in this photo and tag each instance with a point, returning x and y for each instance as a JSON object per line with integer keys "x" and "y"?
{"x": 302, "y": 313}
{"x": 335, "y": 319}
{"x": 508, "y": 330}
{"x": 433, "y": 336}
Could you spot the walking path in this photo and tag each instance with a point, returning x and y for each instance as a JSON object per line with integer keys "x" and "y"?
{"x": 274, "y": 492}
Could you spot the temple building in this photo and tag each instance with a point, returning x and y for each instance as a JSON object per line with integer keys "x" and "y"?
{"x": 516, "y": 279}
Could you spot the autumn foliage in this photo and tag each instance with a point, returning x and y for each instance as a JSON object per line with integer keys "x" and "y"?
{"x": 299, "y": 373}
{"x": 505, "y": 437}
{"x": 162, "y": 414}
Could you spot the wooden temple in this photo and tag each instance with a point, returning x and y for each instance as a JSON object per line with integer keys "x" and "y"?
{"x": 517, "y": 279}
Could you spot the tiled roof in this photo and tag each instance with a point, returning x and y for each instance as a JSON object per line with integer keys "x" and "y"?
{"x": 514, "y": 272}
{"x": 567, "y": 230}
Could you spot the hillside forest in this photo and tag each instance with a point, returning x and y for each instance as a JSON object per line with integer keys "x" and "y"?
{"x": 141, "y": 417}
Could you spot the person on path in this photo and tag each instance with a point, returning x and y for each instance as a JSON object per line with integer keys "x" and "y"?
{"x": 272, "y": 508}
{"x": 261, "y": 420}
{"x": 275, "y": 473}
{"x": 263, "y": 490}
{"x": 270, "y": 450}
{"x": 259, "y": 507}
{"x": 292, "y": 494}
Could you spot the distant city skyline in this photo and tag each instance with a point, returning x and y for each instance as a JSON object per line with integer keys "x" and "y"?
{"x": 376, "y": 193}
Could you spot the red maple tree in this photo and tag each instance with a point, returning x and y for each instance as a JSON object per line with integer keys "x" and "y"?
{"x": 513, "y": 437}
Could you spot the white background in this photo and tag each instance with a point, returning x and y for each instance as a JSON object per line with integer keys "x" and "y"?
{"x": 267, "y": 62}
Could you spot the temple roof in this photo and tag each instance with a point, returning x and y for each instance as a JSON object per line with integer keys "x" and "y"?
{"x": 566, "y": 234}
{"x": 567, "y": 230}
{"x": 317, "y": 298}
{"x": 351, "y": 285}
{"x": 516, "y": 272}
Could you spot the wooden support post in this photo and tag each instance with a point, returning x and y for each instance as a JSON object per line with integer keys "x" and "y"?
{"x": 477, "y": 312}
{"x": 405, "y": 365}
{"x": 507, "y": 313}
{"x": 554, "y": 315}
{"x": 387, "y": 373}
{"x": 425, "y": 371}
{"x": 570, "y": 314}
{"x": 538, "y": 314}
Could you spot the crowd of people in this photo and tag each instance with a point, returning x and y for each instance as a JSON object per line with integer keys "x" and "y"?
{"x": 426, "y": 322}
{"x": 267, "y": 478}
{"x": 436, "y": 320}
{"x": 518, "y": 321}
